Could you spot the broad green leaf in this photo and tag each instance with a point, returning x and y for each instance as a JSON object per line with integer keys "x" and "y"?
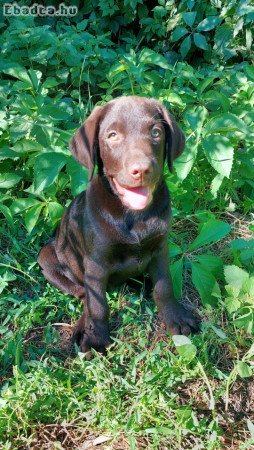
{"x": 54, "y": 112}
{"x": 17, "y": 71}
{"x": 211, "y": 231}
{"x": 50, "y": 82}
{"x": 232, "y": 304}
{"x": 205, "y": 283}
{"x": 250, "y": 71}
{"x": 174, "y": 249}
{"x": 9, "y": 179}
{"x": 176, "y": 271}
{"x": 248, "y": 288}
{"x": 78, "y": 174}
{"x": 185, "y": 46}
{"x": 200, "y": 41}
{"x": 184, "y": 347}
{"x": 178, "y": 33}
{"x": 27, "y": 146}
{"x": 6, "y": 152}
{"x": 184, "y": 163}
{"x": 223, "y": 123}
{"x": 223, "y": 36}
{"x": 219, "y": 152}
{"x": 211, "y": 263}
{"x": 148, "y": 56}
{"x": 189, "y": 17}
{"x": 196, "y": 116}
{"x": 46, "y": 169}
{"x": 216, "y": 97}
{"x": 216, "y": 184}
{"x": 21, "y": 204}
{"x": 171, "y": 97}
{"x": 32, "y": 216}
{"x": 209, "y": 23}
{"x": 55, "y": 211}
{"x": 244, "y": 369}
{"x": 235, "y": 276}
{"x": 208, "y": 81}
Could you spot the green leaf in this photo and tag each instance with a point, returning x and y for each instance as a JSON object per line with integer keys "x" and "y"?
{"x": 189, "y": 17}
{"x": 54, "y": 112}
{"x": 223, "y": 36}
{"x": 235, "y": 276}
{"x": 171, "y": 97}
{"x": 9, "y": 179}
{"x": 205, "y": 283}
{"x": 184, "y": 347}
{"x": 176, "y": 270}
{"x": 32, "y": 216}
{"x": 196, "y": 116}
{"x": 17, "y": 71}
{"x": 232, "y": 304}
{"x": 46, "y": 169}
{"x": 209, "y": 23}
{"x": 148, "y": 56}
{"x": 178, "y": 33}
{"x": 200, "y": 41}
{"x": 6, "y": 152}
{"x": 55, "y": 211}
{"x": 219, "y": 332}
{"x": 211, "y": 231}
{"x": 223, "y": 123}
{"x": 21, "y": 204}
{"x": 211, "y": 263}
{"x": 174, "y": 249}
{"x": 184, "y": 163}
{"x": 216, "y": 184}
{"x": 250, "y": 71}
{"x": 185, "y": 46}
{"x": 216, "y": 97}
{"x": 78, "y": 174}
{"x": 219, "y": 152}
{"x": 244, "y": 370}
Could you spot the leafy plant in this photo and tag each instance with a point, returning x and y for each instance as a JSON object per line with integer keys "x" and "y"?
{"x": 239, "y": 301}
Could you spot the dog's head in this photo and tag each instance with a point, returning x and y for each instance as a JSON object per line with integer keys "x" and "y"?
{"x": 129, "y": 138}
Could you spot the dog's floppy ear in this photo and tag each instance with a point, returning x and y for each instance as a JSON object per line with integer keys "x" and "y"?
{"x": 175, "y": 140}
{"x": 84, "y": 144}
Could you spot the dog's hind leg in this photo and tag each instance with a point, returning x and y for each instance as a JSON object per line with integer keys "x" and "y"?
{"x": 53, "y": 272}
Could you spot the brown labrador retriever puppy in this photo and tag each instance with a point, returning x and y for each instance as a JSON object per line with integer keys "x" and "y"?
{"x": 118, "y": 227}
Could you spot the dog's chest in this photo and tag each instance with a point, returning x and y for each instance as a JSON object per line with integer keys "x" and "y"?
{"x": 131, "y": 254}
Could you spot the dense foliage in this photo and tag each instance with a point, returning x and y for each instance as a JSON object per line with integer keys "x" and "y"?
{"x": 197, "y": 58}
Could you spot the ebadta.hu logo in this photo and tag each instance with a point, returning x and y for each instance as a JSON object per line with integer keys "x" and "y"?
{"x": 13, "y": 9}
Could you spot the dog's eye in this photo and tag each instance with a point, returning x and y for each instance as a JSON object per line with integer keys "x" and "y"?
{"x": 112, "y": 135}
{"x": 155, "y": 132}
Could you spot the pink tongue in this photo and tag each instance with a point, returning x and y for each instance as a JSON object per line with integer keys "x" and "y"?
{"x": 136, "y": 198}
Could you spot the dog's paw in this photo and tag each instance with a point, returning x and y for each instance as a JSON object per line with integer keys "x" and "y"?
{"x": 179, "y": 320}
{"x": 90, "y": 333}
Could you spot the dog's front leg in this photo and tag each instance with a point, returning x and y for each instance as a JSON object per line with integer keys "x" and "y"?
{"x": 92, "y": 329}
{"x": 176, "y": 318}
